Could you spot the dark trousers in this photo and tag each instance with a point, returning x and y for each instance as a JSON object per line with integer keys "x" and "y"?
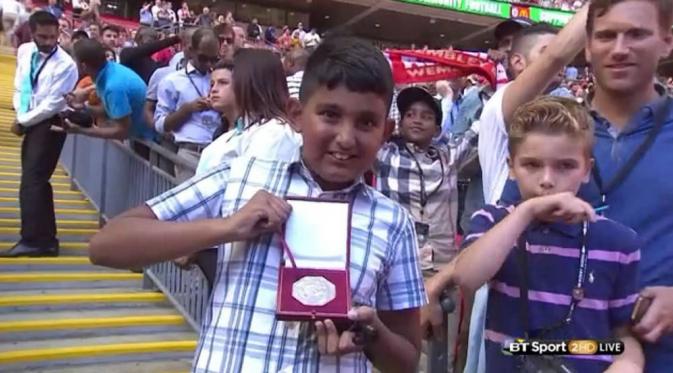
{"x": 40, "y": 151}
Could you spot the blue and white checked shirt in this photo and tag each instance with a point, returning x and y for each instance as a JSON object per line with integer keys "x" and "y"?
{"x": 176, "y": 90}
{"x": 240, "y": 332}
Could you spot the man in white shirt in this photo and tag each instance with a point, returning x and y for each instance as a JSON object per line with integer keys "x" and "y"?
{"x": 45, "y": 73}
{"x": 445, "y": 97}
{"x": 312, "y": 39}
{"x": 294, "y": 64}
{"x": 11, "y": 12}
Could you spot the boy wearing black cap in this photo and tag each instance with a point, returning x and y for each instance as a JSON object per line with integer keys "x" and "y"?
{"x": 420, "y": 172}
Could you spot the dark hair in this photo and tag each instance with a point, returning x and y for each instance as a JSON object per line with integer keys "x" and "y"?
{"x": 224, "y": 65}
{"x": 260, "y": 85}
{"x": 223, "y": 28}
{"x": 202, "y": 33}
{"x": 42, "y": 18}
{"x": 80, "y": 34}
{"x": 112, "y": 28}
{"x": 90, "y": 52}
{"x": 598, "y": 8}
{"x": 525, "y": 39}
{"x": 349, "y": 61}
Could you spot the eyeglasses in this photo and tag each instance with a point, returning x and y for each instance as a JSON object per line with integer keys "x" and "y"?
{"x": 207, "y": 59}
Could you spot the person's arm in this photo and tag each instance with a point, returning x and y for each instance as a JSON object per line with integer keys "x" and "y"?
{"x": 658, "y": 319}
{"x": 148, "y": 111}
{"x": 183, "y": 221}
{"x": 167, "y": 116}
{"x": 400, "y": 336}
{"x": 62, "y": 83}
{"x": 115, "y": 129}
{"x": 536, "y": 77}
{"x": 130, "y": 54}
{"x": 480, "y": 261}
{"x": 19, "y": 75}
{"x": 633, "y": 359}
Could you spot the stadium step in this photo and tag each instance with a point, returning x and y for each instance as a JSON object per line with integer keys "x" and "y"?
{"x": 64, "y": 314}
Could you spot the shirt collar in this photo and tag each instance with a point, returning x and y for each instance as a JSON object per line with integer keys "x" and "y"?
{"x": 192, "y": 70}
{"x": 645, "y": 115}
{"x": 298, "y": 165}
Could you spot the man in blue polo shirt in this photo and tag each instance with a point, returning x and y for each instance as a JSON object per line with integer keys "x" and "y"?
{"x": 624, "y": 46}
{"x": 122, "y": 93}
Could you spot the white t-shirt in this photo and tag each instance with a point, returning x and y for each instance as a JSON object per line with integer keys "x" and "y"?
{"x": 271, "y": 140}
{"x": 493, "y": 152}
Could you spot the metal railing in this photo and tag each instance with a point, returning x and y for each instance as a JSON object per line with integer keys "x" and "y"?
{"x": 115, "y": 178}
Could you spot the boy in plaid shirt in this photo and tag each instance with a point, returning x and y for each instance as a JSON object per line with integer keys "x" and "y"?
{"x": 239, "y": 207}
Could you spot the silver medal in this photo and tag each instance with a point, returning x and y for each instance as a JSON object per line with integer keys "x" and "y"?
{"x": 313, "y": 291}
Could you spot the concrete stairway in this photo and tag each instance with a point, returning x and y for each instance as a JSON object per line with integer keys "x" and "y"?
{"x": 65, "y": 314}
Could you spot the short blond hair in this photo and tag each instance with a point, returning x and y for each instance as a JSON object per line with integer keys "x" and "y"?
{"x": 552, "y": 116}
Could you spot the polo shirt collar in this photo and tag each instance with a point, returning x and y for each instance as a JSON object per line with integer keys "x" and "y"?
{"x": 644, "y": 116}
{"x": 192, "y": 70}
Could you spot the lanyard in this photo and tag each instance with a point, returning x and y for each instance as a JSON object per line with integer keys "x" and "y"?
{"x": 196, "y": 88}
{"x": 34, "y": 76}
{"x": 659, "y": 119}
{"x": 421, "y": 176}
{"x": 577, "y": 292}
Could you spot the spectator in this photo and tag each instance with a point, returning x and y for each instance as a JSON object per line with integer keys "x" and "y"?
{"x": 65, "y": 33}
{"x": 11, "y": 10}
{"x": 110, "y": 37}
{"x": 38, "y": 100}
{"x": 205, "y": 19}
{"x": 122, "y": 91}
{"x": 240, "y": 37}
{"x": 509, "y": 247}
{"x": 185, "y": 15}
{"x": 54, "y": 8}
{"x": 163, "y": 19}
{"x": 182, "y": 102}
{"x": 285, "y": 40}
{"x": 139, "y": 58}
{"x": 294, "y": 64}
{"x": 296, "y": 40}
{"x": 146, "y": 17}
{"x": 161, "y": 73}
{"x": 225, "y": 34}
{"x": 230, "y": 18}
{"x": 219, "y": 20}
{"x": 301, "y": 32}
{"x": 94, "y": 31}
{"x": 396, "y": 288}
{"x": 156, "y": 8}
{"x": 445, "y": 97}
{"x": 221, "y": 95}
{"x": 79, "y": 7}
{"x": 262, "y": 97}
{"x": 311, "y": 39}
{"x": 270, "y": 36}
{"x": 254, "y": 30}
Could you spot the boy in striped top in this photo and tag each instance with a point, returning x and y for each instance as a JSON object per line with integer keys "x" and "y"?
{"x": 580, "y": 270}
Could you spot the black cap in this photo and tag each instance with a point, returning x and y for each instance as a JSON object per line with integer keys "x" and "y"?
{"x": 412, "y": 95}
{"x": 510, "y": 26}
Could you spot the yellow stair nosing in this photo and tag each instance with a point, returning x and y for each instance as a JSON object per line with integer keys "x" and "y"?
{"x": 95, "y": 350}
{"x": 14, "y": 326}
{"x": 18, "y": 174}
{"x": 93, "y": 223}
{"x": 54, "y": 299}
{"x": 58, "y": 211}
{"x": 64, "y": 260}
{"x": 63, "y": 201}
{"x": 53, "y": 184}
{"x": 73, "y": 231}
{"x": 64, "y": 245}
{"x": 56, "y": 191}
{"x": 68, "y": 276}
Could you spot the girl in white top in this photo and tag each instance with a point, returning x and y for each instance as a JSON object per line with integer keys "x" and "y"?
{"x": 262, "y": 129}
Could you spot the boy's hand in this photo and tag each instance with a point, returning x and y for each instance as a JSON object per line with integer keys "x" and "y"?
{"x": 658, "y": 319}
{"x": 331, "y": 343}
{"x": 432, "y": 314}
{"x": 264, "y": 213}
{"x": 562, "y": 207}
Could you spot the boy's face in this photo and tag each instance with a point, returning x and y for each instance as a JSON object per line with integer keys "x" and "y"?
{"x": 222, "y": 96}
{"x": 548, "y": 164}
{"x": 419, "y": 124}
{"x": 343, "y": 132}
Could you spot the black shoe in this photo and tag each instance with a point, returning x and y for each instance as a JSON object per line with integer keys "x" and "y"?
{"x": 23, "y": 250}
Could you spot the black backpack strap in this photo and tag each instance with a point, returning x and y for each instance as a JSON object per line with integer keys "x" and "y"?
{"x": 522, "y": 256}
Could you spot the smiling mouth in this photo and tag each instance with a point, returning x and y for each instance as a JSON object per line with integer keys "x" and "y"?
{"x": 341, "y": 157}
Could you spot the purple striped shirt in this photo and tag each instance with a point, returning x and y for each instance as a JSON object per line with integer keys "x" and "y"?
{"x": 610, "y": 288}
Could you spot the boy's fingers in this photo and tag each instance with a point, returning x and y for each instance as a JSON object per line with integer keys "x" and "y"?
{"x": 332, "y": 337}
{"x": 321, "y": 337}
